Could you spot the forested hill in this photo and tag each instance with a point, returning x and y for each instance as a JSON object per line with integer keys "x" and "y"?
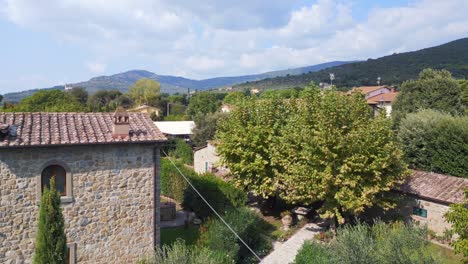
{"x": 393, "y": 69}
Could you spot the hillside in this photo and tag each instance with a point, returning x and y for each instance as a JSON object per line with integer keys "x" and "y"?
{"x": 393, "y": 69}
{"x": 172, "y": 84}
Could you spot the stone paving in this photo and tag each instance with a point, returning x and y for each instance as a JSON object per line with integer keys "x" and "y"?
{"x": 284, "y": 253}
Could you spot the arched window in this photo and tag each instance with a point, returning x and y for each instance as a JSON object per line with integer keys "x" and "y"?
{"x": 60, "y": 178}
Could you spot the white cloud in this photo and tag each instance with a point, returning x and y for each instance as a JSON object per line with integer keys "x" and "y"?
{"x": 217, "y": 38}
{"x": 96, "y": 67}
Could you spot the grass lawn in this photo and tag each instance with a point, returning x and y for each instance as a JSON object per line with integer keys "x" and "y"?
{"x": 169, "y": 235}
{"x": 447, "y": 255}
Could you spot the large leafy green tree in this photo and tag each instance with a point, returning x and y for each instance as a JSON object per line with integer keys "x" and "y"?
{"x": 50, "y": 247}
{"x": 104, "y": 100}
{"x": 458, "y": 217}
{"x": 79, "y": 94}
{"x": 145, "y": 91}
{"x": 435, "y": 89}
{"x": 1, "y": 97}
{"x": 49, "y": 101}
{"x": 202, "y": 103}
{"x": 324, "y": 146}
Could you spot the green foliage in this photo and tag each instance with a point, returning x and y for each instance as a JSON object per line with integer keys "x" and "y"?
{"x": 381, "y": 243}
{"x": 436, "y": 142}
{"x": 203, "y": 103}
{"x": 79, "y": 94}
{"x": 51, "y": 242}
{"x": 233, "y": 98}
{"x": 281, "y": 94}
{"x": 49, "y": 101}
{"x": 181, "y": 150}
{"x": 458, "y": 217}
{"x": 336, "y": 160}
{"x": 248, "y": 225}
{"x": 1, "y": 97}
{"x": 180, "y": 253}
{"x": 393, "y": 69}
{"x": 176, "y": 118}
{"x": 145, "y": 92}
{"x": 312, "y": 252}
{"x": 104, "y": 101}
{"x": 220, "y": 194}
{"x": 206, "y": 126}
{"x": 189, "y": 235}
{"x": 433, "y": 90}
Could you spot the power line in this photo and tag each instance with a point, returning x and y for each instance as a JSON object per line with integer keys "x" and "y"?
{"x": 211, "y": 207}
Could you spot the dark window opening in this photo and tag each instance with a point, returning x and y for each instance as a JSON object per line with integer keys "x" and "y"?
{"x": 60, "y": 178}
{"x": 420, "y": 212}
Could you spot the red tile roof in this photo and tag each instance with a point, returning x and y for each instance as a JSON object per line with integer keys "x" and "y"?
{"x": 49, "y": 129}
{"x": 434, "y": 186}
{"x": 366, "y": 89}
{"x": 385, "y": 97}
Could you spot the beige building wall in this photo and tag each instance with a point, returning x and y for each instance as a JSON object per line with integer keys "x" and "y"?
{"x": 205, "y": 159}
{"x": 110, "y": 216}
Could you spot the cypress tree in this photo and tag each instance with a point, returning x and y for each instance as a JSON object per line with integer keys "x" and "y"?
{"x": 51, "y": 242}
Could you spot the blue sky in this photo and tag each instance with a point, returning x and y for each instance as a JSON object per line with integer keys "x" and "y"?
{"x": 52, "y": 42}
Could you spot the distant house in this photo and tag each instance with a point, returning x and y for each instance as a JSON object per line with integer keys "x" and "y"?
{"x": 146, "y": 109}
{"x": 205, "y": 159}
{"x": 425, "y": 198}
{"x": 378, "y": 97}
{"x": 106, "y": 168}
{"x": 226, "y": 108}
{"x": 176, "y": 129}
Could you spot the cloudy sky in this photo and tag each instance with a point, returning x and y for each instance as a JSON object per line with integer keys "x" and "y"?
{"x": 50, "y": 42}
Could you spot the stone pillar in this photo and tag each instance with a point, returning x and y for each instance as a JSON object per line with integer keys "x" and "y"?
{"x": 156, "y": 197}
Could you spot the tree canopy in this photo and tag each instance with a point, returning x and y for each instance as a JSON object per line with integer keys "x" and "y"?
{"x": 458, "y": 217}
{"x": 145, "y": 92}
{"x": 49, "y": 101}
{"x": 203, "y": 103}
{"x": 322, "y": 147}
{"x": 435, "y": 89}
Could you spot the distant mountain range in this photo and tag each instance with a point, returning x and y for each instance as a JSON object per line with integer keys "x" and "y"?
{"x": 173, "y": 84}
{"x": 393, "y": 69}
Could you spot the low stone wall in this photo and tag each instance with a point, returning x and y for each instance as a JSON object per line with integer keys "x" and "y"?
{"x": 111, "y": 217}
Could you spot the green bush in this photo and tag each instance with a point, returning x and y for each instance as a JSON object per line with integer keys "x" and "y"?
{"x": 436, "y": 142}
{"x": 179, "y": 253}
{"x": 220, "y": 194}
{"x": 381, "y": 243}
{"x": 248, "y": 225}
{"x": 313, "y": 253}
{"x": 181, "y": 150}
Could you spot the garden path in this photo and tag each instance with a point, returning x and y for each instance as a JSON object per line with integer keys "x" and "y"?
{"x": 285, "y": 253}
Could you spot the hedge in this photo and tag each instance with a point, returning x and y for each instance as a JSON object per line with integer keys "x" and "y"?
{"x": 435, "y": 141}
{"x": 248, "y": 225}
{"x": 221, "y": 195}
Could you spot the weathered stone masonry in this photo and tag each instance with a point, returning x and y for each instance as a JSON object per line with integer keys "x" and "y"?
{"x": 110, "y": 216}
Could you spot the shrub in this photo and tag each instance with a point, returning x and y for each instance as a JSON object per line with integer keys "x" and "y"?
{"x": 182, "y": 151}
{"x": 248, "y": 225}
{"x": 220, "y": 194}
{"x": 182, "y": 254}
{"x": 436, "y": 142}
{"x": 313, "y": 252}
{"x": 381, "y": 243}
{"x": 51, "y": 242}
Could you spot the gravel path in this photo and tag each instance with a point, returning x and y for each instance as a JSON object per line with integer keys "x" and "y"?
{"x": 285, "y": 253}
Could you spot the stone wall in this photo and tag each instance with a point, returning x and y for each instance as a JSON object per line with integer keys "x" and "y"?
{"x": 111, "y": 216}
{"x": 404, "y": 211}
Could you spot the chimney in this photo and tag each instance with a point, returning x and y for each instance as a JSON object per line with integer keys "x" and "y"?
{"x": 121, "y": 126}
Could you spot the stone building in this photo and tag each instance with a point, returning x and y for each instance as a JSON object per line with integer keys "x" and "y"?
{"x": 424, "y": 198}
{"x": 107, "y": 169}
{"x": 427, "y": 197}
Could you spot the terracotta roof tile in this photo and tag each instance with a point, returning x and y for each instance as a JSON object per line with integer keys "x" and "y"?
{"x": 436, "y": 186}
{"x": 365, "y": 89}
{"x": 37, "y": 129}
{"x": 385, "y": 97}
